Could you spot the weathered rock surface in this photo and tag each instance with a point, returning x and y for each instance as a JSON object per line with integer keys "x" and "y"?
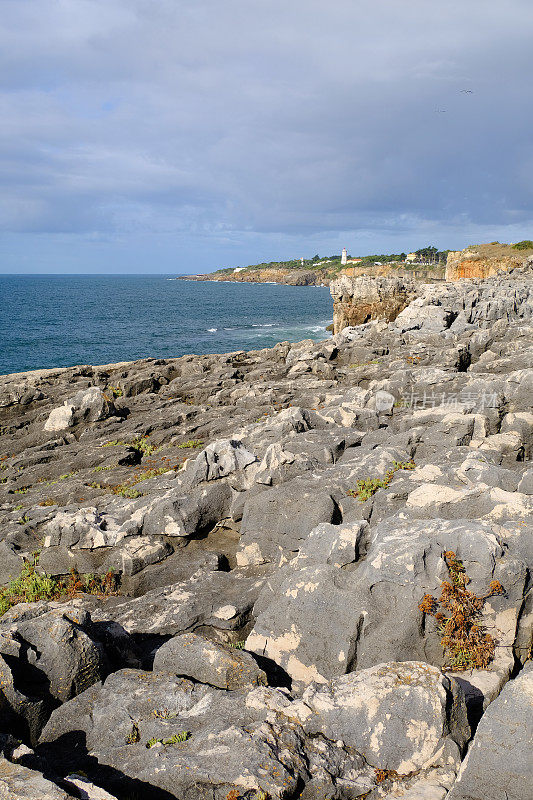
{"x": 300, "y": 500}
{"x": 405, "y": 717}
{"x": 192, "y": 656}
{"x": 358, "y": 300}
{"x": 484, "y": 261}
{"x": 20, "y": 783}
{"x": 500, "y": 759}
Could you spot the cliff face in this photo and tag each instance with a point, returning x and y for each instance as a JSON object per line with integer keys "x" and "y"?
{"x": 418, "y": 272}
{"x": 484, "y": 262}
{"x": 358, "y": 300}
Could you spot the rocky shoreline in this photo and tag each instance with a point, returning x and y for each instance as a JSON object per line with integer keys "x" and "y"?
{"x": 297, "y": 572}
{"x": 287, "y": 277}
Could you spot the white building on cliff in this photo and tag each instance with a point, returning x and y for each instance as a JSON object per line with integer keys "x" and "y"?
{"x": 344, "y": 256}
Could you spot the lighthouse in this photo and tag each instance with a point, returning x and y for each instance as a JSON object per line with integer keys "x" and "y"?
{"x": 344, "y": 256}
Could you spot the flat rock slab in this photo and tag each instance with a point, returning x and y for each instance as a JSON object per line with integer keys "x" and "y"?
{"x": 194, "y": 657}
{"x": 20, "y": 783}
{"x": 221, "y": 599}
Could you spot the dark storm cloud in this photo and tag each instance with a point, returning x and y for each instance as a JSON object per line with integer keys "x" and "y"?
{"x": 265, "y": 118}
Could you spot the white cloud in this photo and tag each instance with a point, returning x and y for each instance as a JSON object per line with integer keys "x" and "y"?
{"x": 265, "y": 117}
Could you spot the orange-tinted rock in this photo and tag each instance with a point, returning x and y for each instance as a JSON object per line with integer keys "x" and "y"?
{"x": 483, "y": 262}
{"x": 359, "y": 300}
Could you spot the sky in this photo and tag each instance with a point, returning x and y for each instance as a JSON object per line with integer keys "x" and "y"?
{"x": 179, "y": 136}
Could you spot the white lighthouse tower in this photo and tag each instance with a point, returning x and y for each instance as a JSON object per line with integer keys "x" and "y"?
{"x": 344, "y": 256}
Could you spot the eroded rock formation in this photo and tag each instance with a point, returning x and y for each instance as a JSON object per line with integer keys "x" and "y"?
{"x": 284, "y": 524}
{"x": 358, "y": 300}
{"x": 484, "y": 261}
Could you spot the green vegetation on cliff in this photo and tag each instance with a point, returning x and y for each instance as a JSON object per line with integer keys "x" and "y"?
{"x": 327, "y": 266}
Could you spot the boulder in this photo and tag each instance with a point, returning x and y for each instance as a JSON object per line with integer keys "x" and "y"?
{"x": 373, "y": 592}
{"x": 499, "y": 763}
{"x": 192, "y": 656}
{"x": 87, "y": 405}
{"x": 193, "y": 740}
{"x": 57, "y": 650}
{"x": 220, "y": 459}
{"x": 275, "y": 522}
{"x": 419, "y": 316}
{"x": 403, "y": 716}
{"x": 20, "y": 783}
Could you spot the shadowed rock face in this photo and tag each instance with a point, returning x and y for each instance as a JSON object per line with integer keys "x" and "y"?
{"x": 276, "y": 517}
{"x": 359, "y": 300}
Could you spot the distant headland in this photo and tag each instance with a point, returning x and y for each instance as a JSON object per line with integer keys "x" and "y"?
{"x": 322, "y": 270}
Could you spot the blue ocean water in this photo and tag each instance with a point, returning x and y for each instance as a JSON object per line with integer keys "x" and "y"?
{"x": 63, "y": 320}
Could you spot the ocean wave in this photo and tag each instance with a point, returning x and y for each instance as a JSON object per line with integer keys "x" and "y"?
{"x": 212, "y": 330}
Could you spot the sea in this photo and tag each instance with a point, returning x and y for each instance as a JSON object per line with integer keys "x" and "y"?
{"x": 63, "y": 320}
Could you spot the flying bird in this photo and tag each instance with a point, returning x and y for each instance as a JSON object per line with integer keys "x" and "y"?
{"x": 467, "y": 91}
{"x": 441, "y": 110}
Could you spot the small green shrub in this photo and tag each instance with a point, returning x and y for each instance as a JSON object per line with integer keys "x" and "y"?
{"x": 372, "y": 363}
{"x": 29, "y": 587}
{"x": 525, "y": 244}
{"x": 143, "y": 445}
{"x": 116, "y": 391}
{"x": 181, "y": 736}
{"x": 190, "y": 443}
{"x": 367, "y": 487}
{"x": 126, "y": 491}
{"x": 152, "y": 473}
{"x": 163, "y": 713}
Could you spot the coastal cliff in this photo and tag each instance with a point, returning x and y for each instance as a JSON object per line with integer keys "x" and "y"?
{"x": 486, "y": 260}
{"x": 290, "y": 277}
{"x": 358, "y": 300}
{"x": 294, "y": 573}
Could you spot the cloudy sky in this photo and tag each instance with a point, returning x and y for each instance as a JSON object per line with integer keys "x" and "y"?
{"x": 185, "y": 135}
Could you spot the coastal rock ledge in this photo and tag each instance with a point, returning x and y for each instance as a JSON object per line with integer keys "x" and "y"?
{"x": 296, "y": 573}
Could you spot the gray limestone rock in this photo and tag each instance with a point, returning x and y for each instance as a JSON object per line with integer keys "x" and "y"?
{"x": 499, "y": 763}
{"x": 58, "y": 647}
{"x": 220, "y": 599}
{"x": 402, "y": 716}
{"x": 88, "y": 405}
{"x": 236, "y": 739}
{"x": 275, "y": 522}
{"x": 10, "y": 563}
{"x": 373, "y": 595}
{"x": 20, "y": 783}
{"x": 220, "y": 459}
{"x": 192, "y": 656}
